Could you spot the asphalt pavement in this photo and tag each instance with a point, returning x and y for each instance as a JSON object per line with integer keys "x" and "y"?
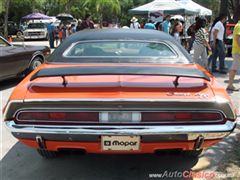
{"x": 23, "y": 163}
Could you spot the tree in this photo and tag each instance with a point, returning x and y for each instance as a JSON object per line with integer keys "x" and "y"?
{"x": 224, "y": 7}
{"x": 101, "y": 6}
{"x": 231, "y": 7}
{"x": 7, "y": 2}
{"x": 236, "y": 15}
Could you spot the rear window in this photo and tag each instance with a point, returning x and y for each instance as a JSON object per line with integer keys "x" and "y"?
{"x": 120, "y": 50}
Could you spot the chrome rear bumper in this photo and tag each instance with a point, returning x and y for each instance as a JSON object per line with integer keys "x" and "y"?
{"x": 174, "y": 132}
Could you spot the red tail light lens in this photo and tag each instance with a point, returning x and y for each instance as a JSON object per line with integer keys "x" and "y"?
{"x": 180, "y": 116}
{"x": 58, "y": 116}
{"x": 32, "y": 116}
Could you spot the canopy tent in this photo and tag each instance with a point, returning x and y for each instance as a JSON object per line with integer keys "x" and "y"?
{"x": 36, "y": 16}
{"x": 64, "y": 17}
{"x": 164, "y": 6}
{"x": 202, "y": 10}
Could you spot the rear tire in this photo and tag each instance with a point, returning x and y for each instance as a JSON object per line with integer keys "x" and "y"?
{"x": 47, "y": 154}
{"x": 19, "y": 34}
{"x": 37, "y": 61}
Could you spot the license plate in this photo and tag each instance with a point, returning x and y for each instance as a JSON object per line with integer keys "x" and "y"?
{"x": 120, "y": 143}
{"x": 34, "y": 37}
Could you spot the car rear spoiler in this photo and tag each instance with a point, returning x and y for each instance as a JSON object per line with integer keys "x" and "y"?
{"x": 120, "y": 70}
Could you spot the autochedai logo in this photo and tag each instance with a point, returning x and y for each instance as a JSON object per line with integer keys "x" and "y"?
{"x": 119, "y": 143}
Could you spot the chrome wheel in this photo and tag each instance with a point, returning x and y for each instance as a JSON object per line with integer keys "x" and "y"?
{"x": 37, "y": 61}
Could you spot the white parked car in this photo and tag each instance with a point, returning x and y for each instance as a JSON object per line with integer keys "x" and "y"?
{"x": 36, "y": 31}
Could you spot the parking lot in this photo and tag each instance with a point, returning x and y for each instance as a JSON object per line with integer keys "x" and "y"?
{"x": 23, "y": 163}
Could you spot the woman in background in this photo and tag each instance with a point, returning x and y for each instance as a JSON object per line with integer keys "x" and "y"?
{"x": 176, "y": 30}
{"x": 201, "y": 43}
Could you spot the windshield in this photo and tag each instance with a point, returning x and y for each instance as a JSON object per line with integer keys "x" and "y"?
{"x": 36, "y": 26}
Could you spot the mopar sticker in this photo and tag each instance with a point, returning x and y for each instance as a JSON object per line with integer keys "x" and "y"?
{"x": 120, "y": 143}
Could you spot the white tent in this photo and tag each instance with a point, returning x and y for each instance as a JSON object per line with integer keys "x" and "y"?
{"x": 165, "y": 7}
{"x": 202, "y": 10}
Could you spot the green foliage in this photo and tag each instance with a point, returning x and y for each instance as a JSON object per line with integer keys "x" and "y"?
{"x": 101, "y": 10}
{"x": 100, "y": 6}
{"x": 108, "y": 10}
{"x": 18, "y": 9}
{"x": 1, "y": 7}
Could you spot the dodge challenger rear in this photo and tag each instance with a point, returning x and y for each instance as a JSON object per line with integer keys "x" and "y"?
{"x": 119, "y": 91}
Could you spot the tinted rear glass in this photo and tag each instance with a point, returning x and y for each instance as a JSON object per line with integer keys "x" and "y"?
{"x": 120, "y": 50}
{"x": 101, "y": 51}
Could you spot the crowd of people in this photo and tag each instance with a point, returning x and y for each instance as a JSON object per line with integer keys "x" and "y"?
{"x": 207, "y": 43}
{"x": 203, "y": 42}
{"x": 65, "y": 29}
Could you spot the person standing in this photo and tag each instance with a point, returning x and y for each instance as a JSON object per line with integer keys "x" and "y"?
{"x": 56, "y": 35}
{"x": 78, "y": 25}
{"x": 134, "y": 23}
{"x": 191, "y": 33}
{"x": 87, "y": 23}
{"x": 218, "y": 48}
{"x": 149, "y": 25}
{"x": 50, "y": 29}
{"x": 201, "y": 43}
{"x": 176, "y": 30}
{"x": 236, "y": 57}
{"x": 166, "y": 25}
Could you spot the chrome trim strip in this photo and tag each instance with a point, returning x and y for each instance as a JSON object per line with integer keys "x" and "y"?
{"x": 213, "y": 100}
{"x": 192, "y": 131}
{"x": 9, "y": 104}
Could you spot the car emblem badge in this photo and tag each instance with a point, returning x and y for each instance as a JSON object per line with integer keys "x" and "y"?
{"x": 178, "y": 94}
{"x": 201, "y": 95}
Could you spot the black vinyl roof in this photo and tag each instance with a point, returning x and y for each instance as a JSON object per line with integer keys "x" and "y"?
{"x": 119, "y": 34}
{"x": 116, "y": 34}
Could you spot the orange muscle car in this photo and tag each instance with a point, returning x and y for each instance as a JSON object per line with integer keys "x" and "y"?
{"x": 119, "y": 91}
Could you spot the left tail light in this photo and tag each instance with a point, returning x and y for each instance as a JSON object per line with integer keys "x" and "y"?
{"x": 57, "y": 116}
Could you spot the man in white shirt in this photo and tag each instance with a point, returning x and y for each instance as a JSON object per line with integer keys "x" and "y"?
{"x": 134, "y": 23}
{"x": 217, "y": 43}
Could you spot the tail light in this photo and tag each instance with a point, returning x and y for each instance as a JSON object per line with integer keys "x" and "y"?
{"x": 72, "y": 118}
{"x": 181, "y": 116}
{"x": 58, "y": 116}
